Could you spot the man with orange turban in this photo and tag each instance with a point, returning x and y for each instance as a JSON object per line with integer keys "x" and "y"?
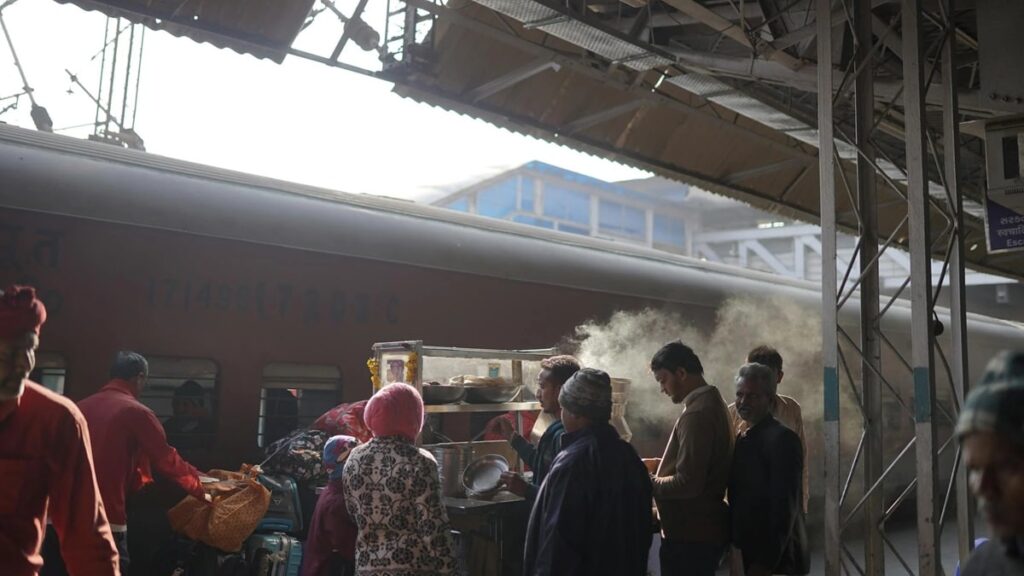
{"x": 46, "y": 466}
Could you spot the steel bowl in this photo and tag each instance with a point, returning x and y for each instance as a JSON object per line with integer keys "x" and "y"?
{"x": 482, "y": 477}
{"x": 443, "y": 394}
{"x": 491, "y": 394}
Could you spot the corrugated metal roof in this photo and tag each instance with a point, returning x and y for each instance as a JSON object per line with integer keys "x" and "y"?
{"x": 262, "y": 28}
{"x": 678, "y": 133}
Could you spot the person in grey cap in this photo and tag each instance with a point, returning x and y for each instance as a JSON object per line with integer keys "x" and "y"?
{"x": 991, "y": 432}
{"x": 592, "y": 515}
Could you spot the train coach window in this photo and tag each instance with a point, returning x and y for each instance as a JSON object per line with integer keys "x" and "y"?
{"x": 182, "y": 392}
{"x": 293, "y": 396}
{"x": 50, "y": 371}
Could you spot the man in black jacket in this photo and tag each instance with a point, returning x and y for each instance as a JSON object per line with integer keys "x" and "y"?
{"x": 765, "y": 484}
{"x": 592, "y": 516}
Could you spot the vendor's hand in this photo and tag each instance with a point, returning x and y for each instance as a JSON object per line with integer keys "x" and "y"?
{"x": 515, "y": 483}
{"x": 504, "y": 429}
{"x": 652, "y": 464}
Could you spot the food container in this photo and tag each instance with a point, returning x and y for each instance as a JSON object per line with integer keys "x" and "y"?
{"x": 442, "y": 394}
{"x": 491, "y": 394}
{"x": 452, "y": 459}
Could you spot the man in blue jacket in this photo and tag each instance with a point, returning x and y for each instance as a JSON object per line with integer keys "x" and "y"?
{"x": 592, "y": 515}
{"x": 554, "y": 372}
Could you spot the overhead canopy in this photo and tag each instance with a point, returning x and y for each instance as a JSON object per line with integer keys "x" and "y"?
{"x": 263, "y": 28}
{"x": 669, "y": 88}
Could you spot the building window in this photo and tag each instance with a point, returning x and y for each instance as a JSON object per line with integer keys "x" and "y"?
{"x": 534, "y": 221}
{"x": 569, "y": 205}
{"x": 182, "y": 392}
{"x": 460, "y": 204}
{"x": 526, "y": 192}
{"x": 563, "y": 227}
{"x": 293, "y": 396}
{"x": 50, "y": 371}
{"x": 621, "y": 220}
{"x": 669, "y": 231}
{"x": 498, "y": 201}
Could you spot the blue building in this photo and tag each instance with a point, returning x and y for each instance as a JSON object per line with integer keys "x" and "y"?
{"x": 546, "y": 196}
{"x": 670, "y": 216}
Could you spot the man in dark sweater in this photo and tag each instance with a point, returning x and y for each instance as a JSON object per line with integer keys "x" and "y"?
{"x": 592, "y": 516}
{"x": 554, "y": 372}
{"x": 765, "y": 484}
{"x": 991, "y": 431}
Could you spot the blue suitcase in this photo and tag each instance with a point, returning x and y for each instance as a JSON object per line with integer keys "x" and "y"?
{"x": 285, "y": 511}
{"x": 273, "y": 555}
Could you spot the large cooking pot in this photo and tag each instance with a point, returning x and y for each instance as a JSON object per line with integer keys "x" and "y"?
{"x": 452, "y": 459}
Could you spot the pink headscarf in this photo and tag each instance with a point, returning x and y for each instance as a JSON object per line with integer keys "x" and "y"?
{"x": 395, "y": 410}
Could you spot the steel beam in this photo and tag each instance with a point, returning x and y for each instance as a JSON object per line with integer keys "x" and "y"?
{"x": 737, "y": 177}
{"x": 734, "y": 31}
{"x": 596, "y": 118}
{"x": 750, "y": 11}
{"x": 829, "y": 294}
{"x": 805, "y": 78}
{"x": 870, "y": 320}
{"x": 922, "y": 336}
{"x": 957, "y": 281}
{"x": 346, "y": 33}
{"x": 512, "y": 78}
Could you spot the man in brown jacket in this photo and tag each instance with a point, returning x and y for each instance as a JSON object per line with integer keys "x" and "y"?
{"x": 691, "y": 479}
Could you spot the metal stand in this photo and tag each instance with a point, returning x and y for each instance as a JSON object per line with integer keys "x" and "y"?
{"x": 117, "y": 91}
{"x": 923, "y": 205}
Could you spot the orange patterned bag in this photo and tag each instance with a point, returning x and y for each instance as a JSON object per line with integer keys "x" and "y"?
{"x": 237, "y": 504}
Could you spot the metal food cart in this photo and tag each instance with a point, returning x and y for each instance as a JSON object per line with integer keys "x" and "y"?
{"x": 490, "y": 533}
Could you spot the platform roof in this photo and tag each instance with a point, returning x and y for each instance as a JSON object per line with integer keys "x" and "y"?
{"x": 262, "y": 28}
{"x": 667, "y": 87}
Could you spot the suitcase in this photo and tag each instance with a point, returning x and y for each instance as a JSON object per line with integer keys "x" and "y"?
{"x": 285, "y": 511}
{"x": 208, "y": 561}
{"x": 273, "y": 554}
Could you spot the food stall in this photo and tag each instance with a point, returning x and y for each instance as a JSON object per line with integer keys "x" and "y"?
{"x": 489, "y": 524}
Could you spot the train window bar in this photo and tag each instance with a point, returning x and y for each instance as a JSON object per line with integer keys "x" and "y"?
{"x": 183, "y": 393}
{"x": 293, "y": 396}
{"x": 50, "y": 371}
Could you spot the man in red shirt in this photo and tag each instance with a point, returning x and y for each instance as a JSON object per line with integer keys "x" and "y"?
{"x": 46, "y": 467}
{"x": 130, "y": 444}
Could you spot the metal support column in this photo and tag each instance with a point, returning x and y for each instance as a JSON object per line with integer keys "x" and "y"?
{"x": 922, "y": 336}
{"x": 957, "y": 292}
{"x": 870, "y": 321}
{"x": 829, "y": 291}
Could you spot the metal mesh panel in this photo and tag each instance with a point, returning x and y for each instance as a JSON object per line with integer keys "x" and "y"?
{"x": 577, "y": 33}
{"x": 521, "y": 10}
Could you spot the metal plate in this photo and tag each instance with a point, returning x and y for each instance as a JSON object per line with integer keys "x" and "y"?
{"x": 483, "y": 475}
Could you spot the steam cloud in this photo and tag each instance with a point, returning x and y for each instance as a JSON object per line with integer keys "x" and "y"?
{"x": 624, "y": 344}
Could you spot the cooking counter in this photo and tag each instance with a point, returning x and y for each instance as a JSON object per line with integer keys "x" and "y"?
{"x": 464, "y": 506}
{"x": 489, "y": 534}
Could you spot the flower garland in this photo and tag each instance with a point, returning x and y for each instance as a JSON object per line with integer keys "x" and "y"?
{"x": 374, "y": 367}
{"x": 411, "y": 363}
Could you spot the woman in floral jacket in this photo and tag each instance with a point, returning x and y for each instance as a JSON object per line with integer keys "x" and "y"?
{"x": 393, "y": 492}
